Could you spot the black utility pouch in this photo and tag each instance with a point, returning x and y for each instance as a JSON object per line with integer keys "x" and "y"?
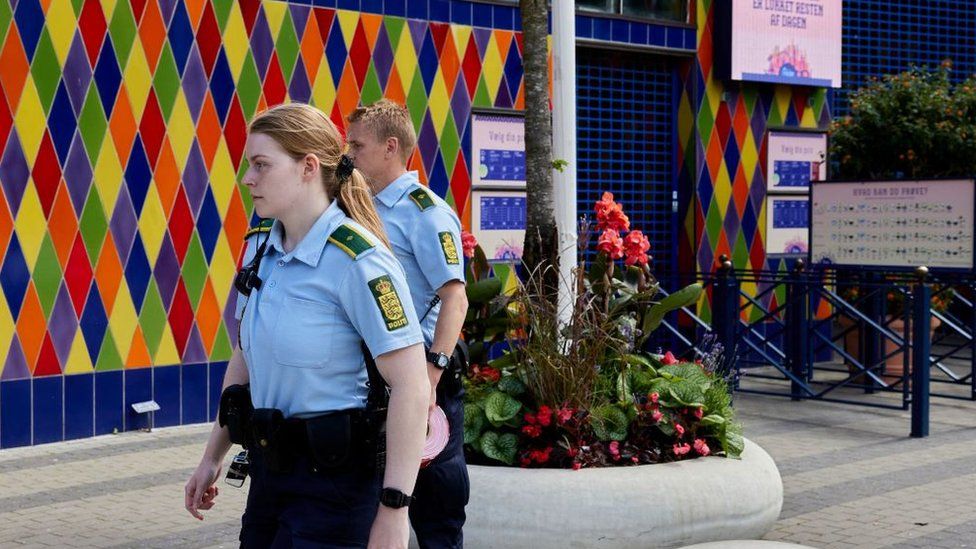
{"x": 266, "y": 428}
{"x": 330, "y": 439}
{"x": 236, "y": 412}
{"x": 457, "y": 370}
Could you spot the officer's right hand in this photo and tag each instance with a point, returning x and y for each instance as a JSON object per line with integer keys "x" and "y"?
{"x": 200, "y": 490}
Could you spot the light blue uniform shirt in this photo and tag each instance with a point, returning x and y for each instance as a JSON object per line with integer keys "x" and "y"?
{"x": 426, "y": 238}
{"x": 301, "y": 332}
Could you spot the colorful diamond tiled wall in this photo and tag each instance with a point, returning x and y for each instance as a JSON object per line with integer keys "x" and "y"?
{"x": 122, "y": 129}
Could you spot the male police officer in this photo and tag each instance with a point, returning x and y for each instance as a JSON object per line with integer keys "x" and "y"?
{"x": 426, "y": 237}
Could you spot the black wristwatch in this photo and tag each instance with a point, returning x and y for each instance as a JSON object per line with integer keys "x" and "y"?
{"x": 440, "y": 360}
{"x": 394, "y": 499}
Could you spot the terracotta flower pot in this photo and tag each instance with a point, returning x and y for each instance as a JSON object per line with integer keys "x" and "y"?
{"x": 895, "y": 361}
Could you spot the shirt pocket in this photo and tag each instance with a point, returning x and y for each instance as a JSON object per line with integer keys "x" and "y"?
{"x": 302, "y": 333}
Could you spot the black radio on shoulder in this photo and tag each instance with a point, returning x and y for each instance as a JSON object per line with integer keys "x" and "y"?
{"x": 247, "y": 278}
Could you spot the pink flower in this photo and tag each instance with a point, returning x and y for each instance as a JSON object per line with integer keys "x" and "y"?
{"x": 544, "y": 415}
{"x": 530, "y": 419}
{"x": 525, "y": 461}
{"x": 679, "y": 429}
{"x": 468, "y": 244}
{"x": 563, "y": 415}
{"x": 681, "y": 449}
{"x": 611, "y": 244}
{"x": 577, "y": 465}
{"x": 636, "y": 246}
{"x": 656, "y": 416}
{"x": 701, "y": 447}
{"x": 699, "y": 413}
{"x": 532, "y": 430}
{"x": 610, "y": 215}
{"x": 633, "y": 459}
{"x": 653, "y": 397}
{"x": 540, "y": 456}
{"x": 615, "y": 450}
{"x": 668, "y": 359}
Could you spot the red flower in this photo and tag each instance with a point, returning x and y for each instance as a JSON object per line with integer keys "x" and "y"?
{"x": 540, "y": 456}
{"x": 701, "y": 447}
{"x": 668, "y": 359}
{"x": 635, "y": 248}
{"x": 468, "y": 244}
{"x": 544, "y": 415}
{"x": 563, "y": 415}
{"x": 699, "y": 413}
{"x": 615, "y": 450}
{"x": 577, "y": 465}
{"x": 680, "y": 430}
{"x": 610, "y": 215}
{"x": 530, "y": 419}
{"x": 611, "y": 244}
{"x": 487, "y": 373}
{"x": 656, "y": 416}
{"x": 532, "y": 430}
{"x": 681, "y": 449}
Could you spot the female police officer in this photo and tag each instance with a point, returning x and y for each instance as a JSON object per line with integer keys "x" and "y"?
{"x": 325, "y": 283}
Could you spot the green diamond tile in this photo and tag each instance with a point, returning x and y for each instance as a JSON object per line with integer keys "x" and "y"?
{"x": 394, "y": 27}
{"x": 481, "y": 96}
{"x": 705, "y": 122}
{"x": 195, "y": 270}
{"x": 108, "y": 356}
{"x": 47, "y": 275}
{"x": 122, "y": 28}
{"x": 450, "y": 143}
{"x": 92, "y": 124}
{"x": 77, "y": 5}
{"x": 819, "y": 97}
{"x": 93, "y": 225}
{"x": 152, "y": 319}
{"x": 774, "y": 118}
{"x": 249, "y": 87}
{"x": 417, "y": 101}
{"x": 46, "y": 71}
{"x": 6, "y": 15}
{"x": 166, "y": 81}
{"x": 222, "y": 9}
{"x": 713, "y": 222}
{"x": 287, "y": 47}
{"x": 221, "y": 349}
{"x": 371, "y": 88}
{"x": 740, "y": 252}
{"x": 750, "y": 94}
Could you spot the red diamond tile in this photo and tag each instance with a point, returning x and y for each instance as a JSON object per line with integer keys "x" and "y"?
{"x": 740, "y": 122}
{"x": 208, "y": 38}
{"x": 6, "y": 122}
{"x": 249, "y": 11}
{"x": 323, "y": 18}
{"x": 359, "y": 54}
{"x": 6, "y": 222}
{"x": 235, "y": 131}
{"x": 723, "y": 123}
{"x": 47, "y": 363}
{"x": 92, "y": 24}
{"x": 152, "y": 128}
{"x": 138, "y": 6}
{"x": 78, "y": 274}
{"x": 471, "y": 66}
{"x": 274, "y": 83}
{"x": 46, "y": 174}
{"x": 181, "y": 224}
{"x": 460, "y": 185}
{"x": 181, "y": 317}
{"x": 438, "y": 31}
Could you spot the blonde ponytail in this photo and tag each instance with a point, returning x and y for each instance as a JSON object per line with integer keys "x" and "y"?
{"x": 356, "y": 200}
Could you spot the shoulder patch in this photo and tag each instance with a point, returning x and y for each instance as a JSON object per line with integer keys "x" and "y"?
{"x": 388, "y": 302}
{"x": 351, "y": 241}
{"x": 448, "y": 247}
{"x": 263, "y": 227}
{"x": 422, "y": 199}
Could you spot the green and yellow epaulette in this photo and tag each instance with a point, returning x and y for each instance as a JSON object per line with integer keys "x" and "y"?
{"x": 422, "y": 199}
{"x": 263, "y": 227}
{"x": 351, "y": 241}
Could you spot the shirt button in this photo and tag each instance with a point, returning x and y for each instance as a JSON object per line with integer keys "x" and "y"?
{"x": 273, "y": 283}
{"x": 281, "y": 263}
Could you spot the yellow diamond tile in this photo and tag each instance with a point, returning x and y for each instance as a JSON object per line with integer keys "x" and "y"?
{"x": 686, "y": 120}
{"x": 122, "y": 320}
{"x": 30, "y": 224}
{"x": 79, "y": 361}
{"x": 180, "y": 130}
{"x": 347, "y": 22}
{"x": 108, "y": 6}
{"x": 7, "y": 326}
{"x": 439, "y": 103}
{"x": 491, "y": 67}
{"x": 223, "y": 266}
{"x": 462, "y": 33}
{"x": 275, "y": 13}
{"x": 138, "y": 80}
{"x": 30, "y": 121}
{"x": 723, "y": 189}
{"x": 781, "y": 100}
{"x": 323, "y": 89}
{"x": 152, "y": 224}
{"x": 748, "y": 156}
{"x": 167, "y": 352}
{"x": 748, "y": 288}
{"x": 809, "y": 119}
{"x": 406, "y": 58}
{"x": 235, "y": 40}
{"x": 108, "y": 175}
{"x": 61, "y": 24}
{"x": 713, "y": 93}
{"x": 761, "y": 221}
{"x": 222, "y": 176}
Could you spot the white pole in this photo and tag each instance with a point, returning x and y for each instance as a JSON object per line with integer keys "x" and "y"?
{"x": 564, "y": 145}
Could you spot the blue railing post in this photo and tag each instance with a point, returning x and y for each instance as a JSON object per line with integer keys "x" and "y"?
{"x": 725, "y": 316}
{"x": 796, "y": 317}
{"x": 872, "y": 340}
{"x": 921, "y": 322}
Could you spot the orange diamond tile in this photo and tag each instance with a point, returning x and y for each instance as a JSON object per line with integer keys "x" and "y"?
{"x": 123, "y": 126}
{"x": 167, "y": 176}
{"x": 108, "y": 272}
{"x": 31, "y": 326}
{"x": 138, "y": 352}
{"x": 235, "y": 220}
{"x": 15, "y": 68}
{"x": 208, "y": 316}
{"x": 63, "y": 225}
{"x": 152, "y": 33}
{"x": 208, "y": 131}
{"x": 394, "y": 88}
{"x": 312, "y": 48}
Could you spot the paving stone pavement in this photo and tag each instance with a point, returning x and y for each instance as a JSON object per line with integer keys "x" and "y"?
{"x": 852, "y": 478}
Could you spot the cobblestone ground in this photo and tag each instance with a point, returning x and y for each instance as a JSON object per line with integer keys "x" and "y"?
{"x": 852, "y": 478}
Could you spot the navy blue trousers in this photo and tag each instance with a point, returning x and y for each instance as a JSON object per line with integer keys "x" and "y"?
{"x": 437, "y": 513}
{"x": 303, "y": 509}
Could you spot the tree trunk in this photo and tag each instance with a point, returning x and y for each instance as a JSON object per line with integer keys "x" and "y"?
{"x": 540, "y": 252}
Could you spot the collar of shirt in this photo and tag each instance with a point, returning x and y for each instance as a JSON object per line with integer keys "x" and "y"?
{"x": 396, "y": 189}
{"x": 309, "y": 250}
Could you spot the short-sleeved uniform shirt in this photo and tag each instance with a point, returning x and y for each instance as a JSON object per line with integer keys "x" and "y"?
{"x": 301, "y": 331}
{"x": 426, "y": 237}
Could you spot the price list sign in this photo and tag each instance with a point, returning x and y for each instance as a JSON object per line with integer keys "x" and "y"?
{"x": 498, "y": 150}
{"x": 787, "y": 222}
{"x": 893, "y": 223}
{"x": 498, "y": 222}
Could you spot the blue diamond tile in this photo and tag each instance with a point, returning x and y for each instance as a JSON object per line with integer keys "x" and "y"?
{"x": 180, "y": 36}
{"x": 61, "y": 121}
{"x": 137, "y": 272}
{"x": 427, "y": 61}
{"x": 14, "y": 276}
{"x": 94, "y": 322}
{"x": 30, "y": 22}
{"x": 335, "y": 51}
{"x": 208, "y": 224}
{"x": 222, "y": 85}
{"x": 138, "y": 175}
{"x": 108, "y": 77}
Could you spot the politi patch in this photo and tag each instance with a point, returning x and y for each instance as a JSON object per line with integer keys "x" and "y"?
{"x": 449, "y": 248}
{"x": 389, "y": 303}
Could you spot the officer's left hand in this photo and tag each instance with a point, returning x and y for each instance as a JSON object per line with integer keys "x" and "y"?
{"x": 390, "y": 530}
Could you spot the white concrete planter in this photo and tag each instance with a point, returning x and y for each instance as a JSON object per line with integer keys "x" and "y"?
{"x": 665, "y": 505}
